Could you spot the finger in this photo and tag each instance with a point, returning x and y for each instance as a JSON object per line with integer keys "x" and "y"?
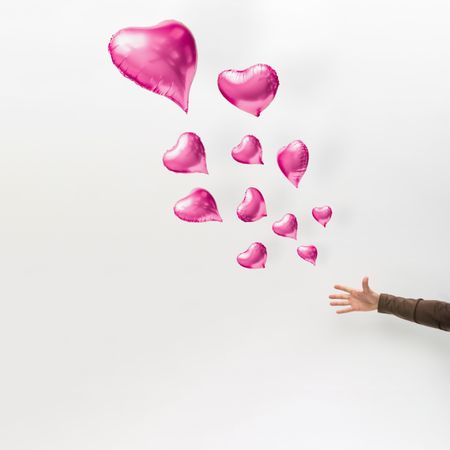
{"x": 340, "y": 303}
{"x": 340, "y": 287}
{"x": 344, "y": 296}
{"x": 365, "y": 284}
{"x": 345, "y": 310}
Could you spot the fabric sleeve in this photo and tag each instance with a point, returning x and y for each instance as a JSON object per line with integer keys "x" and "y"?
{"x": 432, "y": 313}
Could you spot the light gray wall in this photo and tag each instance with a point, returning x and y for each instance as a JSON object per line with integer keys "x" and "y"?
{"x": 123, "y": 328}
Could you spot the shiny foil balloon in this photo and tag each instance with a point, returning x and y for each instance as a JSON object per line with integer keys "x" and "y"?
{"x": 322, "y": 214}
{"x": 286, "y": 226}
{"x": 251, "y": 90}
{"x": 293, "y": 161}
{"x": 249, "y": 151}
{"x": 187, "y": 155}
{"x": 162, "y": 58}
{"x": 308, "y": 253}
{"x": 254, "y": 257}
{"x": 198, "y": 206}
{"x": 252, "y": 207}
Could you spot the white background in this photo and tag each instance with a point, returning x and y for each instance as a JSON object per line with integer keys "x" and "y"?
{"x": 122, "y": 327}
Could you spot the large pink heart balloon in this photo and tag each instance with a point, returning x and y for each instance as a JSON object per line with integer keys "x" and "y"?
{"x": 198, "y": 206}
{"x": 251, "y": 90}
{"x": 252, "y": 207}
{"x": 286, "y": 226}
{"x": 254, "y": 257}
{"x": 308, "y": 253}
{"x": 249, "y": 151}
{"x": 293, "y": 161}
{"x": 187, "y": 155}
{"x": 322, "y": 214}
{"x": 162, "y": 58}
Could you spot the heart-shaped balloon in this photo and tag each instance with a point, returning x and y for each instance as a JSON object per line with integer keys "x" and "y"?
{"x": 286, "y": 226}
{"x": 251, "y": 90}
{"x": 162, "y": 58}
{"x": 322, "y": 214}
{"x": 293, "y": 161}
{"x": 254, "y": 257}
{"x": 308, "y": 253}
{"x": 252, "y": 207}
{"x": 187, "y": 155}
{"x": 249, "y": 151}
{"x": 198, "y": 206}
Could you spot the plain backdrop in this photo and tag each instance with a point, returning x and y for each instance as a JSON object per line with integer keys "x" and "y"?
{"x": 123, "y": 328}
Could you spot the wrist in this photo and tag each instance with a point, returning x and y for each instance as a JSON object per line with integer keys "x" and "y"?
{"x": 376, "y": 300}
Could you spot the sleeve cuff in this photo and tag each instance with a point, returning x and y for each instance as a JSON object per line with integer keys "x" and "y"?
{"x": 383, "y": 304}
{"x": 398, "y": 306}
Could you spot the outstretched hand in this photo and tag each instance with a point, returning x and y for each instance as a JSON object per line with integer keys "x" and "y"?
{"x": 355, "y": 300}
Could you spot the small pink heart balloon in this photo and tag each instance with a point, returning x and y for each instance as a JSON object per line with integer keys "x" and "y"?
{"x": 293, "y": 161}
{"x": 162, "y": 58}
{"x": 308, "y": 253}
{"x": 286, "y": 226}
{"x": 322, "y": 214}
{"x": 252, "y": 207}
{"x": 249, "y": 151}
{"x": 251, "y": 90}
{"x": 198, "y": 206}
{"x": 187, "y": 155}
{"x": 254, "y": 257}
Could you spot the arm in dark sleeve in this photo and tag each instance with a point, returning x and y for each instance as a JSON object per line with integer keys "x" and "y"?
{"x": 432, "y": 313}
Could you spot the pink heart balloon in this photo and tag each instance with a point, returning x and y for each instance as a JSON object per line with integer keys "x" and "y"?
{"x": 187, "y": 155}
{"x": 254, "y": 257}
{"x": 293, "y": 161}
{"x": 162, "y": 58}
{"x": 251, "y": 90}
{"x": 198, "y": 206}
{"x": 308, "y": 253}
{"x": 322, "y": 214}
{"x": 286, "y": 226}
{"x": 252, "y": 207}
{"x": 249, "y": 151}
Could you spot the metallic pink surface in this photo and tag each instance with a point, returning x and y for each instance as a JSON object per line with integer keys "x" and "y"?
{"x": 198, "y": 206}
{"x": 162, "y": 58}
{"x": 322, "y": 214}
{"x": 251, "y": 90}
{"x": 254, "y": 257}
{"x": 249, "y": 151}
{"x": 286, "y": 226}
{"x": 252, "y": 207}
{"x": 293, "y": 161}
{"x": 187, "y": 155}
{"x": 308, "y": 253}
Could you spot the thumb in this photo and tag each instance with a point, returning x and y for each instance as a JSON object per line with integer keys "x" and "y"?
{"x": 365, "y": 284}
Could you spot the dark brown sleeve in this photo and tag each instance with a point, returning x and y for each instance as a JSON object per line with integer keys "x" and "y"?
{"x": 432, "y": 313}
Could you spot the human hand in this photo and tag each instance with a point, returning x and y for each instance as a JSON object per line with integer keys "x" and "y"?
{"x": 365, "y": 300}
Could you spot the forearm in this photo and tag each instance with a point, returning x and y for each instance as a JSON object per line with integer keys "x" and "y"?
{"x": 432, "y": 313}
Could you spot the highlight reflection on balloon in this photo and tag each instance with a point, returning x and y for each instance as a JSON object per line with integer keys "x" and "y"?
{"x": 293, "y": 161}
{"x": 248, "y": 151}
{"x": 254, "y": 257}
{"x": 187, "y": 155}
{"x": 252, "y": 207}
{"x": 308, "y": 253}
{"x": 286, "y": 226}
{"x": 198, "y": 206}
{"x": 322, "y": 214}
{"x": 251, "y": 90}
{"x": 162, "y": 58}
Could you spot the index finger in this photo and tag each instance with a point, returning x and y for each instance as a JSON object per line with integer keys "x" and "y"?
{"x": 340, "y": 287}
